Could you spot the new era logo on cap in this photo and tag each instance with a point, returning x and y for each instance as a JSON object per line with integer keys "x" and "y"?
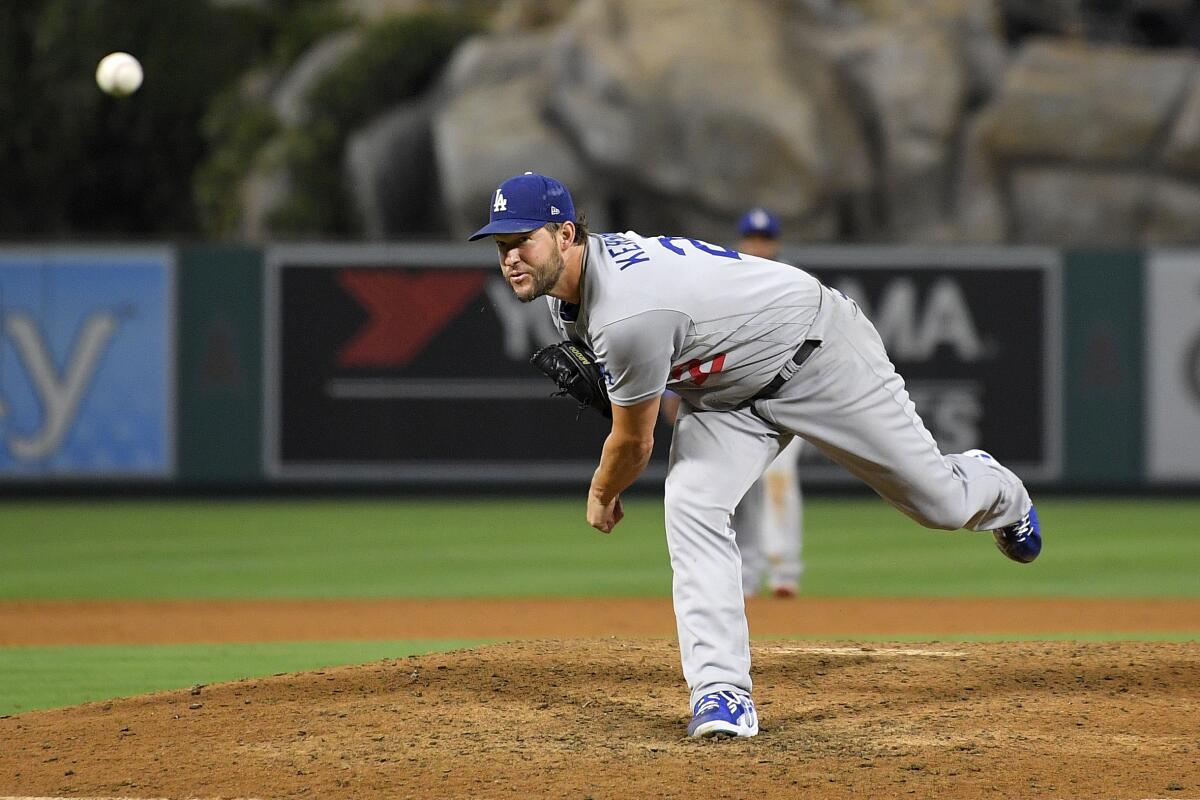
{"x": 525, "y": 203}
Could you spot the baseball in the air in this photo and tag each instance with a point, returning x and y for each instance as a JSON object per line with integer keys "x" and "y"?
{"x": 119, "y": 74}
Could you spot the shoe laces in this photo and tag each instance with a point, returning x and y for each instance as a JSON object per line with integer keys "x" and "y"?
{"x": 711, "y": 701}
{"x": 1020, "y": 529}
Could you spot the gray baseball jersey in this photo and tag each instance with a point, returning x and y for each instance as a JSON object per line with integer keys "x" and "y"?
{"x": 711, "y": 324}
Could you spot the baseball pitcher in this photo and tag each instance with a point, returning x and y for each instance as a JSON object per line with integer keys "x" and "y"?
{"x": 760, "y": 352}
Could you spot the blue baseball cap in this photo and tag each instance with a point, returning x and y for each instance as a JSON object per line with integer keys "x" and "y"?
{"x": 525, "y": 203}
{"x": 759, "y": 222}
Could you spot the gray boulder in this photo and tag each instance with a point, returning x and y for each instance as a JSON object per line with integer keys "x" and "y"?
{"x": 1063, "y": 206}
{"x": 1067, "y": 151}
{"x": 487, "y": 134}
{"x": 491, "y": 123}
{"x": 392, "y": 175}
{"x": 712, "y": 125}
{"x": 1182, "y": 148}
{"x": 910, "y": 72}
{"x": 860, "y": 120}
{"x": 1085, "y": 103}
{"x": 1173, "y": 215}
{"x": 660, "y": 115}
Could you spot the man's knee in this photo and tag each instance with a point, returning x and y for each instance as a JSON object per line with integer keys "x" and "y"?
{"x": 943, "y": 514}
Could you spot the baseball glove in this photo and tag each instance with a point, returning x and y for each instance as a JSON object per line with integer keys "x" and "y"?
{"x": 574, "y": 369}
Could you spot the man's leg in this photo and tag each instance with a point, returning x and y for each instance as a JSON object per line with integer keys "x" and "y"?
{"x": 715, "y": 457}
{"x": 849, "y": 402}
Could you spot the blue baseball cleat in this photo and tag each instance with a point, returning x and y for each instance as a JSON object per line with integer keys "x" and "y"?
{"x": 1021, "y": 541}
{"x": 724, "y": 714}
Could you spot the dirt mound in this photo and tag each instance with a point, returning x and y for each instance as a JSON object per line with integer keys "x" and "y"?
{"x": 606, "y": 718}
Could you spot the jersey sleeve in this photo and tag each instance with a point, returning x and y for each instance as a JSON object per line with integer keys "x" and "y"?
{"x": 636, "y": 353}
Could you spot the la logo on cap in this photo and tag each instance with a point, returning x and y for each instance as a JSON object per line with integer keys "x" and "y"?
{"x": 501, "y": 203}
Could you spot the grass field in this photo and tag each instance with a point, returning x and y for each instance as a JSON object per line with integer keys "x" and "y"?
{"x": 542, "y": 548}
{"x": 486, "y": 548}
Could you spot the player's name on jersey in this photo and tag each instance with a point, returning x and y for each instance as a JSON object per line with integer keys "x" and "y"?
{"x": 623, "y": 251}
{"x": 626, "y": 252}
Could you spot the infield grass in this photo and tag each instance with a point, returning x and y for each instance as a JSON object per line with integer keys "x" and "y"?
{"x": 47, "y": 677}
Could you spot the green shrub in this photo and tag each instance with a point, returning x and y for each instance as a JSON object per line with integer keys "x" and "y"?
{"x": 305, "y": 25}
{"x": 238, "y": 127}
{"x": 239, "y": 123}
{"x": 77, "y": 162}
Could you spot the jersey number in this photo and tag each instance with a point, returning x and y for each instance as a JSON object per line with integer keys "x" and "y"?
{"x": 704, "y": 247}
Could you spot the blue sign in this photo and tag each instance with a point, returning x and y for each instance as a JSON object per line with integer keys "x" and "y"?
{"x": 86, "y": 363}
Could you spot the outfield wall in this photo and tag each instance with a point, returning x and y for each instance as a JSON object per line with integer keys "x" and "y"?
{"x": 337, "y": 365}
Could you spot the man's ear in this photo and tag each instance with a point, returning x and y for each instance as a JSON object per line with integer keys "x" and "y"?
{"x": 567, "y": 232}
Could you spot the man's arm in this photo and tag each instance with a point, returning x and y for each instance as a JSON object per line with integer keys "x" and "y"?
{"x": 626, "y": 452}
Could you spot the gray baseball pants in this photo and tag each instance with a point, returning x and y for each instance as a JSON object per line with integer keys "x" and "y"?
{"x": 848, "y": 401}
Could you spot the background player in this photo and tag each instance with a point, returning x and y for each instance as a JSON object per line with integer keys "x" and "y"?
{"x": 760, "y": 352}
{"x": 769, "y": 521}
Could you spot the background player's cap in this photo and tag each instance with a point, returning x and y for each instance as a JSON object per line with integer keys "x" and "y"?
{"x": 525, "y": 203}
{"x": 759, "y": 222}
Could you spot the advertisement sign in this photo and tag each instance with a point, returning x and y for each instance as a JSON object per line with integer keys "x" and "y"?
{"x": 976, "y": 336}
{"x": 86, "y": 363}
{"x": 1172, "y": 403}
{"x": 411, "y": 363}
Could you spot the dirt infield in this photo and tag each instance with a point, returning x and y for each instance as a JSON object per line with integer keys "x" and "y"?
{"x": 165, "y": 622}
{"x": 604, "y": 716}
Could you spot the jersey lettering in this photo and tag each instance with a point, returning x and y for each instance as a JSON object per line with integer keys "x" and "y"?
{"x": 696, "y": 368}
{"x": 704, "y": 247}
{"x": 623, "y": 251}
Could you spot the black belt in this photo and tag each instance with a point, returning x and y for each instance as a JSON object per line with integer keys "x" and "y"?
{"x": 802, "y": 353}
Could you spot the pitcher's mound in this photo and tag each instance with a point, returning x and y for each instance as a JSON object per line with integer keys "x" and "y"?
{"x": 606, "y": 718}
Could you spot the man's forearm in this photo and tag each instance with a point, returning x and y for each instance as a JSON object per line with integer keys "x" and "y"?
{"x": 621, "y": 461}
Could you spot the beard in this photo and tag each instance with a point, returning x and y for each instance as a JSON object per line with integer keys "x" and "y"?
{"x": 544, "y": 277}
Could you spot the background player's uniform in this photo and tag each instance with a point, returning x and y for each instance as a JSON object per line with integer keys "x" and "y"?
{"x": 717, "y": 327}
{"x": 770, "y": 527}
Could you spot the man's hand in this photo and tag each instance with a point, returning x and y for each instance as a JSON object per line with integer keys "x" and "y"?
{"x": 604, "y": 517}
{"x": 626, "y": 451}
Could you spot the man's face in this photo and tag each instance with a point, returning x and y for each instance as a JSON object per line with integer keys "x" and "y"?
{"x": 759, "y": 245}
{"x": 531, "y": 262}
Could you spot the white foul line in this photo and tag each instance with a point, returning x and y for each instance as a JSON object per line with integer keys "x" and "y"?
{"x": 859, "y": 651}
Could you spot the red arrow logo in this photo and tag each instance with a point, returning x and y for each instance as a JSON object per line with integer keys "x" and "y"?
{"x": 407, "y": 309}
